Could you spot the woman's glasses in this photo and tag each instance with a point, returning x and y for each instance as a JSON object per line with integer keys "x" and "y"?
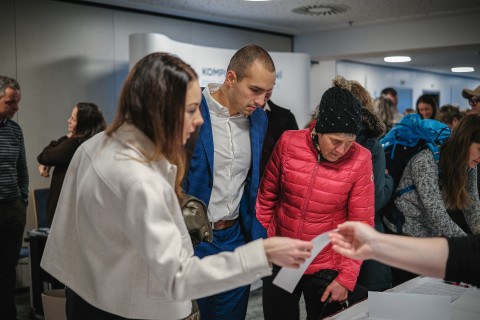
{"x": 473, "y": 101}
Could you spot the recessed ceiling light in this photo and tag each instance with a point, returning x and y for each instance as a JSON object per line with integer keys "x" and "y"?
{"x": 397, "y": 59}
{"x": 321, "y": 9}
{"x": 463, "y": 69}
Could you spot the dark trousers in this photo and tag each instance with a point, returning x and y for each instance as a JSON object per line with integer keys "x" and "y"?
{"x": 400, "y": 276}
{"x": 79, "y": 309}
{"x": 280, "y": 304}
{"x": 12, "y": 225}
{"x": 232, "y": 304}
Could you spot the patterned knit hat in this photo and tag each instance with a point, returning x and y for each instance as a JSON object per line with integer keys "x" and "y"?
{"x": 339, "y": 112}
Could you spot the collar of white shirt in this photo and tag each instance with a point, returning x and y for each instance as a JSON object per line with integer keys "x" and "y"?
{"x": 214, "y": 105}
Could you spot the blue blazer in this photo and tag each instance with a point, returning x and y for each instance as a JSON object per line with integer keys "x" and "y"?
{"x": 199, "y": 178}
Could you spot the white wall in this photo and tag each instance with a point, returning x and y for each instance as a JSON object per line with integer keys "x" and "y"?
{"x": 375, "y": 78}
{"x": 63, "y": 53}
{"x": 292, "y": 85}
{"x": 436, "y": 33}
{"x": 321, "y": 75}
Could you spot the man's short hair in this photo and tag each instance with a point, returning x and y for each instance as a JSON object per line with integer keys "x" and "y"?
{"x": 246, "y": 56}
{"x": 448, "y": 113}
{"x": 7, "y": 82}
{"x": 389, "y": 90}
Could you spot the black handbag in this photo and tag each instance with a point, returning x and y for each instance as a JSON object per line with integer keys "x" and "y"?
{"x": 195, "y": 214}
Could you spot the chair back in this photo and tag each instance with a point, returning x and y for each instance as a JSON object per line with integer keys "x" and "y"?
{"x": 40, "y": 197}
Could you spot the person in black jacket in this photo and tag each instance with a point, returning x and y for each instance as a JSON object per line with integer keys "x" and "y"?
{"x": 85, "y": 121}
{"x": 453, "y": 259}
{"x": 279, "y": 120}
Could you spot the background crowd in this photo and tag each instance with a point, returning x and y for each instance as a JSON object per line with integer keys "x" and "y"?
{"x": 114, "y": 206}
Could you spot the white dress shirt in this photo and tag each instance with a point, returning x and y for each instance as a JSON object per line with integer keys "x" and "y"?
{"x": 232, "y": 158}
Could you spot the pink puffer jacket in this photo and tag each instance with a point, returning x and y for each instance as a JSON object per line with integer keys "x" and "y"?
{"x": 300, "y": 198}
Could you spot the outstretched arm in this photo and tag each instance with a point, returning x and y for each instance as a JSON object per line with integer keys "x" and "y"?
{"x": 286, "y": 252}
{"x": 426, "y": 256}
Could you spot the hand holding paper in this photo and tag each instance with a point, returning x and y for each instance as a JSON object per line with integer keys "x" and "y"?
{"x": 287, "y": 252}
{"x": 287, "y": 278}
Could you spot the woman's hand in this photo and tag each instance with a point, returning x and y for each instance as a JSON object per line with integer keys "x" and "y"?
{"x": 287, "y": 252}
{"x": 354, "y": 240}
{"x": 336, "y": 291}
{"x": 44, "y": 171}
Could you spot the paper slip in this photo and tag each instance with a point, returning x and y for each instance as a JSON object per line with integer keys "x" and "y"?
{"x": 287, "y": 278}
{"x": 411, "y": 306}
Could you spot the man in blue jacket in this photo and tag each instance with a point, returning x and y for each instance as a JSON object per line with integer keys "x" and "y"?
{"x": 224, "y": 168}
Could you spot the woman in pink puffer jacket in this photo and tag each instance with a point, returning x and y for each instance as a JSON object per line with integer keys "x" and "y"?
{"x": 316, "y": 179}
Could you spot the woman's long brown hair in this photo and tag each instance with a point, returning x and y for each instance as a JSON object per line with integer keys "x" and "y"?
{"x": 153, "y": 100}
{"x": 454, "y": 158}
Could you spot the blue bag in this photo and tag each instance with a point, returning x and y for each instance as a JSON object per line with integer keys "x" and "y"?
{"x": 408, "y": 137}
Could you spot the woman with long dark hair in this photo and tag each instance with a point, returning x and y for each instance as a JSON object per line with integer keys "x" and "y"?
{"x": 119, "y": 241}
{"x": 85, "y": 121}
{"x": 426, "y": 107}
{"x": 449, "y": 185}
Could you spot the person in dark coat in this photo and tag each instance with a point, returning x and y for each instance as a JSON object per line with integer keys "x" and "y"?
{"x": 85, "y": 121}
{"x": 279, "y": 120}
{"x": 374, "y": 275}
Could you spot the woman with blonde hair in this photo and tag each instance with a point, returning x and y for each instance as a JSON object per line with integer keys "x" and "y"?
{"x": 386, "y": 111}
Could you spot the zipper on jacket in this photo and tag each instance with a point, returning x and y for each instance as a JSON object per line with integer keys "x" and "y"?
{"x": 307, "y": 198}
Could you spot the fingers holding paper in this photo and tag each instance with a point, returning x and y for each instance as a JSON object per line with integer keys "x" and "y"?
{"x": 286, "y": 252}
{"x": 354, "y": 240}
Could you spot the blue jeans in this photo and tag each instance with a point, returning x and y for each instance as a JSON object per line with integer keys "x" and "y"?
{"x": 228, "y": 305}
{"x": 13, "y": 215}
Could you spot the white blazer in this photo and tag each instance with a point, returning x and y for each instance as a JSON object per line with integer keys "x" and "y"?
{"x": 119, "y": 241}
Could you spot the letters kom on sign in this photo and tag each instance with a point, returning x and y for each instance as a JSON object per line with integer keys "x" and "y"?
{"x": 292, "y": 87}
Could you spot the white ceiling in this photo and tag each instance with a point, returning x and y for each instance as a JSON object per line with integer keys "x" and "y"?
{"x": 278, "y": 16}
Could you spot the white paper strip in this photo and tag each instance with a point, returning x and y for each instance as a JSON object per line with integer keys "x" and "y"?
{"x": 288, "y": 278}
